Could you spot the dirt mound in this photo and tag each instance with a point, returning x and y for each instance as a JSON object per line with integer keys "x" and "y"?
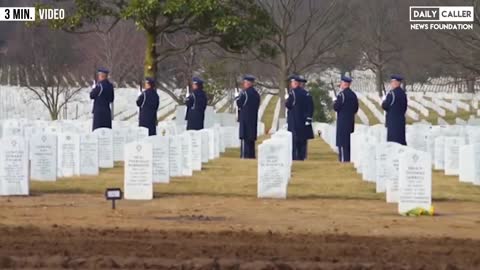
{"x": 61, "y": 246}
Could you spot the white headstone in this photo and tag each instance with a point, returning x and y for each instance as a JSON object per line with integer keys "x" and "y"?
{"x": 393, "y": 173}
{"x": 161, "y": 167}
{"x": 272, "y": 169}
{"x": 439, "y": 155}
{"x": 231, "y": 137}
{"x": 105, "y": 147}
{"x": 286, "y": 136}
{"x": 216, "y": 142}
{"x": 452, "y": 152}
{"x": 415, "y": 181}
{"x": 466, "y": 163}
{"x": 211, "y": 144}
{"x": 89, "y": 154}
{"x": 142, "y": 133}
{"x": 138, "y": 183}
{"x": 13, "y": 166}
{"x": 381, "y": 161}
{"x": 43, "y": 153}
{"x": 180, "y": 112}
{"x": 134, "y": 134}
{"x": 476, "y": 164}
{"x": 205, "y": 134}
{"x": 119, "y": 138}
{"x": 12, "y": 128}
{"x": 417, "y": 137}
{"x": 186, "y": 143}
{"x": 175, "y": 156}
{"x": 222, "y": 144}
{"x": 369, "y": 171}
{"x": 209, "y": 117}
{"x": 196, "y": 143}
{"x": 68, "y": 158}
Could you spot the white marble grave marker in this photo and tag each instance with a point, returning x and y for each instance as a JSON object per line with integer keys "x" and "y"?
{"x": 89, "y": 154}
{"x": 452, "y": 154}
{"x": 68, "y": 158}
{"x": 43, "y": 153}
{"x": 415, "y": 181}
{"x": 161, "y": 167}
{"x": 14, "y": 166}
{"x": 138, "y": 183}
{"x": 175, "y": 156}
{"x": 105, "y": 147}
{"x": 272, "y": 169}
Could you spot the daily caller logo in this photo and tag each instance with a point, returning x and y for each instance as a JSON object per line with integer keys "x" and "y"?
{"x": 441, "y": 17}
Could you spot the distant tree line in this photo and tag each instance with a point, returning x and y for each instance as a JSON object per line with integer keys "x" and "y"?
{"x": 174, "y": 40}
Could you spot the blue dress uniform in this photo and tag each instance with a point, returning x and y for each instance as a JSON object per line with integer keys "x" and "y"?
{"x": 148, "y": 102}
{"x": 196, "y": 105}
{"x": 308, "y": 124}
{"x": 103, "y": 95}
{"x": 248, "y": 103}
{"x": 395, "y": 104}
{"x": 297, "y": 105}
{"x": 346, "y": 106}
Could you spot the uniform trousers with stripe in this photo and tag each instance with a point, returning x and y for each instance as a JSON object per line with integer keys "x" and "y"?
{"x": 299, "y": 150}
{"x": 247, "y": 149}
{"x": 344, "y": 153}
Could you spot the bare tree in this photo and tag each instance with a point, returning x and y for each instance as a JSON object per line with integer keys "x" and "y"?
{"x": 306, "y": 33}
{"x": 45, "y": 62}
{"x": 120, "y": 50}
{"x": 377, "y": 39}
{"x": 178, "y": 68}
{"x": 462, "y": 48}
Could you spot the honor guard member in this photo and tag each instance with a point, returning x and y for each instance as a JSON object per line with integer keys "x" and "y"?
{"x": 148, "y": 102}
{"x": 296, "y": 103}
{"x": 309, "y": 117}
{"x": 248, "y": 102}
{"x": 196, "y": 103}
{"x": 395, "y": 104}
{"x": 346, "y": 106}
{"x": 102, "y": 95}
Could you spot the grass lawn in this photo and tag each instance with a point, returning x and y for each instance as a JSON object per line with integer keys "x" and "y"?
{"x": 319, "y": 177}
{"x": 371, "y": 118}
{"x": 267, "y": 117}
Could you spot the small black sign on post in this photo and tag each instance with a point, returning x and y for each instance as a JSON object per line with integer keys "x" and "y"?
{"x": 113, "y": 194}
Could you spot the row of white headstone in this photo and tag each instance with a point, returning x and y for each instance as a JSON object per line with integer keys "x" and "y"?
{"x": 372, "y": 107}
{"x": 404, "y": 173}
{"x": 32, "y": 150}
{"x": 24, "y": 104}
{"x": 157, "y": 158}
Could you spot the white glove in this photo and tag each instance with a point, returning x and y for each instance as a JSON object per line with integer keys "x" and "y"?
{"x": 187, "y": 95}
{"x": 236, "y": 94}
{"x": 307, "y": 123}
{"x": 94, "y": 84}
{"x": 139, "y": 93}
{"x": 286, "y": 96}
{"x": 384, "y": 97}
